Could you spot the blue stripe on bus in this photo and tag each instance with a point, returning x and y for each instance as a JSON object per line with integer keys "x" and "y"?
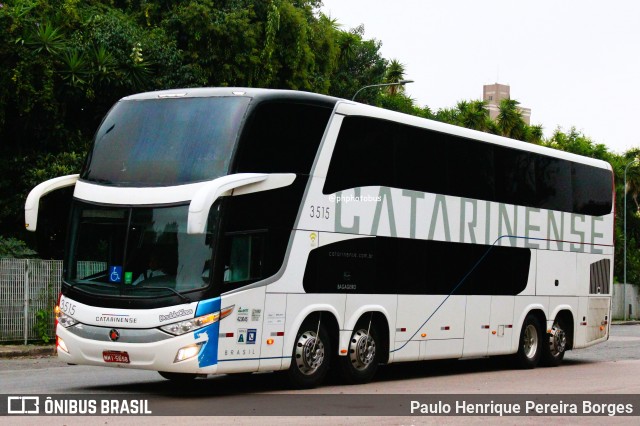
{"x": 253, "y": 359}
{"x": 209, "y": 354}
{"x": 208, "y": 306}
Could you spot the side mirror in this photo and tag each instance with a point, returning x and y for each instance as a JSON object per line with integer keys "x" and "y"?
{"x": 32, "y": 204}
{"x": 236, "y": 184}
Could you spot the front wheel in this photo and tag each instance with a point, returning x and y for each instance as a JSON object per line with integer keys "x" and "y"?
{"x": 310, "y": 358}
{"x": 529, "y": 347}
{"x": 361, "y": 362}
{"x": 555, "y": 346}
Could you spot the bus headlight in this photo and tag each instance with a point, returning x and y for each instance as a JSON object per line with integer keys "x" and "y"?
{"x": 182, "y": 327}
{"x": 65, "y": 320}
{"x": 188, "y": 352}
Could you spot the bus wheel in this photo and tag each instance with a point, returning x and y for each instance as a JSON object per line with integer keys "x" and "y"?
{"x": 310, "y": 358}
{"x": 178, "y": 377}
{"x": 361, "y": 362}
{"x": 530, "y": 346}
{"x": 554, "y": 348}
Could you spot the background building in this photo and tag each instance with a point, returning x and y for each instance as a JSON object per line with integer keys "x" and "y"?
{"x": 492, "y": 94}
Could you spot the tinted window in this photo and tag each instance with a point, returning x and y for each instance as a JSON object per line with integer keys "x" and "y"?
{"x": 373, "y": 152}
{"x": 137, "y": 251}
{"x": 422, "y": 165}
{"x": 471, "y": 168}
{"x": 515, "y": 174}
{"x": 383, "y": 265}
{"x": 255, "y": 239}
{"x": 591, "y": 190}
{"x": 281, "y": 138}
{"x": 553, "y": 184}
{"x": 165, "y": 141}
{"x": 244, "y": 257}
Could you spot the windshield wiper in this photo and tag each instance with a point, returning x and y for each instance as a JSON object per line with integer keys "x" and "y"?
{"x": 174, "y": 291}
{"x": 92, "y": 283}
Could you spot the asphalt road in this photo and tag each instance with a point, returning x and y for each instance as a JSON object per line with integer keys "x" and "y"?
{"x": 609, "y": 368}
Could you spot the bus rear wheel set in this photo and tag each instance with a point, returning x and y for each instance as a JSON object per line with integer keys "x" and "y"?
{"x": 313, "y": 351}
{"x": 313, "y": 355}
{"x": 536, "y": 345}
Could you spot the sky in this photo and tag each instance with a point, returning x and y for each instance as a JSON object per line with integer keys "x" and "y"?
{"x": 575, "y": 63}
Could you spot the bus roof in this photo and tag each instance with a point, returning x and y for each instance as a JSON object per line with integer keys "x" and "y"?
{"x": 346, "y": 107}
{"x": 259, "y": 94}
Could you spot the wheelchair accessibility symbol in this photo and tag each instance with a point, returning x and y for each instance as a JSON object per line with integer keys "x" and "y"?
{"x": 115, "y": 275}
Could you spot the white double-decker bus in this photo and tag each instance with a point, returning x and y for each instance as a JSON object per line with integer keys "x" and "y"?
{"x": 236, "y": 230}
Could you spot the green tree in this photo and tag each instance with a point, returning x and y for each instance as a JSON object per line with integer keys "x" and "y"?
{"x": 13, "y": 248}
{"x": 360, "y": 64}
{"x": 577, "y": 143}
{"x": 394, "y": 73}
{"x": 509, "y": 120}
{"x": 473, "y": 115}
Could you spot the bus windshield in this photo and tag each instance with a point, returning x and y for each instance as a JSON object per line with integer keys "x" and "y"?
{"x": 164, "y": 142}
{"x": 138, "y": 251}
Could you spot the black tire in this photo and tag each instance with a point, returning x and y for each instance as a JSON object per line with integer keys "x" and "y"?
{"x": 555, "y": 344}
{"x": 178, "y": 377}
{"x": 363, "y": 356}
{"x": 310, "y": 357}
{"x": 530, "y": 343}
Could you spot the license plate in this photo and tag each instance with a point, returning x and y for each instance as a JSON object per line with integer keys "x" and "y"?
{"x": 115, "y": 356}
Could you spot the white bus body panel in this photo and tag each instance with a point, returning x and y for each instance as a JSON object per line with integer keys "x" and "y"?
{"x": 477, "y": 324}
{"x": 502, "y": 327}
{"x": 275, "y": 308}
{"x": 241, "y": 336}
{"x": 556, "y": 273}
{"x": 427, "y": 315}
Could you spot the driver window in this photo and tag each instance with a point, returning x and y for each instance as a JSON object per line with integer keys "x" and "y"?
{"x": 245, "y": 257}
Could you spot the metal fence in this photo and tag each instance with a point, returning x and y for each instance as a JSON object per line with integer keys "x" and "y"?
{"x": 29, "y": 290}
{"x": 28, "y": 294}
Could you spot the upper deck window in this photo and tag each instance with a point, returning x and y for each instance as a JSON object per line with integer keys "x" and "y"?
{"x": 375, "y": 152}
{"x": 164, "y": 142}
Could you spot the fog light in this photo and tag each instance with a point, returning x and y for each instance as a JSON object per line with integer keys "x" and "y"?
{"x": 62, "y": 346}
{"x": 188, "y": 352}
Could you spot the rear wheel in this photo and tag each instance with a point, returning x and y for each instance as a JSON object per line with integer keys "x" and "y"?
{"x": 361, "y": 362}
{"x": 310, "y": 358}
{"x": 530, "y": 345}
{"x": 555, "y": 345}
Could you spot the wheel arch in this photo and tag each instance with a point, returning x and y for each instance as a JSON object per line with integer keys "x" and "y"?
{"x": 379, "y": 319}
{"x": 568, "y": 318}
{"x": 328, "y": 317}
{"x": 539, "y": 312}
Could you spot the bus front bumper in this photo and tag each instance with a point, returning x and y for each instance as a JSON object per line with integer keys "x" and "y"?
{"x": 198, "y": 355}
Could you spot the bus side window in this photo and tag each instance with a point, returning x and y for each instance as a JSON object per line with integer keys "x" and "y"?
{"x": 244, "y": 261}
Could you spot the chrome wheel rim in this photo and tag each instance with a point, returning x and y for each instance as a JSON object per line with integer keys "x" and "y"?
{"x": 530, "y": 341}
{"x": 557, "y": 340}
{"x": 362, "y": 350}
{"x": 309, "y": 354}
